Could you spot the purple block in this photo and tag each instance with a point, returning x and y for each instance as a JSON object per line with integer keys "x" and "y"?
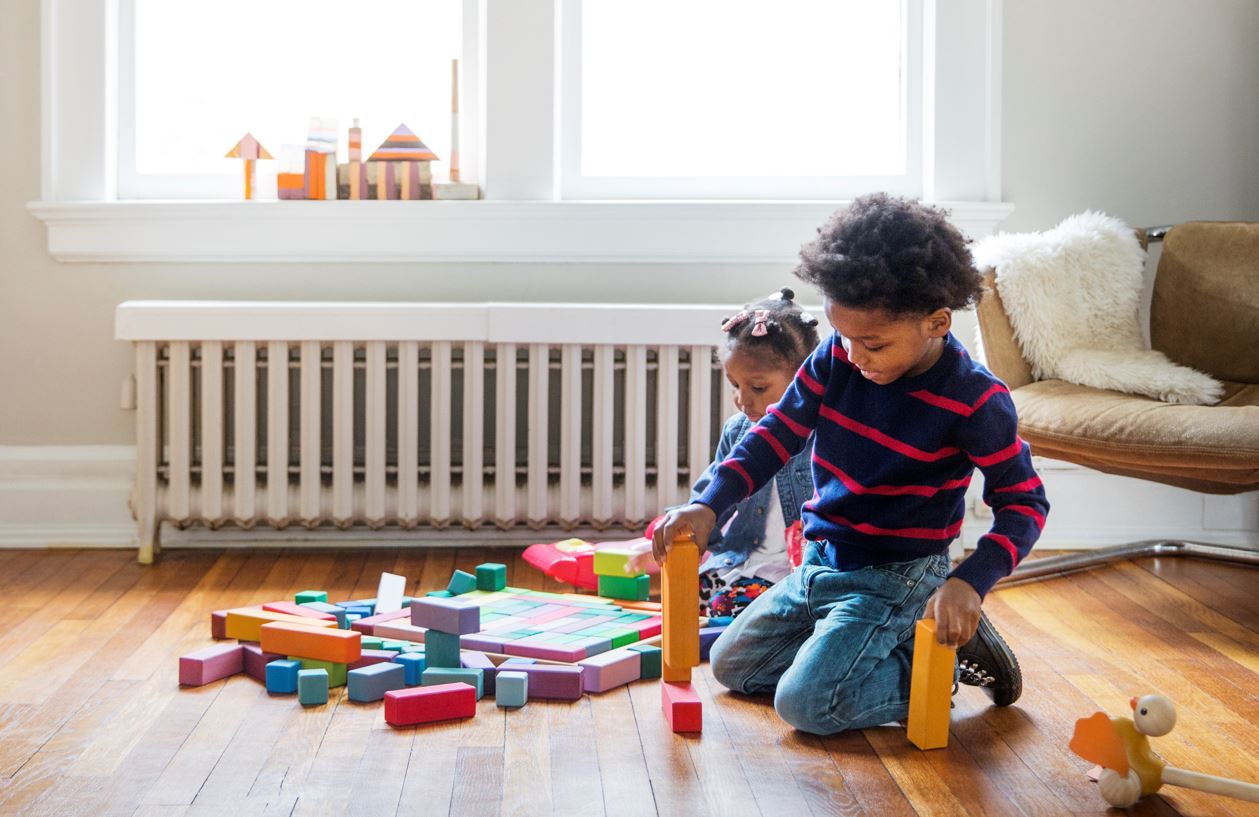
{"x": 482, "y": 642}
{"x": 218, "y": 624}
{"x": 211, "y": 664}
{"x": 479, "y": 660}
{"x": 548, "y": 652}
{"x": 367, "y": 626}
{"x": 446, "y": 615}
{"x": 256, "y": 661}
{"x": 609, "y": 670}
{"x": 370, "y": 657}
{"x": 551, "y": 681}
{"x": 707, "y": 635}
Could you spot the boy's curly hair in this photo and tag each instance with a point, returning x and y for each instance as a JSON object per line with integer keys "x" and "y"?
{"x": 891, "y": 253}
{"x": 776, "y": 329}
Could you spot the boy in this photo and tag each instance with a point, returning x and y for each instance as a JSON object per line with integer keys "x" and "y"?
{"x": 901, "y": 416}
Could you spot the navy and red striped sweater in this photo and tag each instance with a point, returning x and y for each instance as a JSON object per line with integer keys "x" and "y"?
{"x": 891, "y": 463}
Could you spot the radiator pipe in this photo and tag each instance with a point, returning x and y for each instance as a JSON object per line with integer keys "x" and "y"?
{"x": 1054, "y": 566}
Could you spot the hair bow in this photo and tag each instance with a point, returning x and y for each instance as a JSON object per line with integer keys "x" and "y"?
{"x": 734, "y": 320}
{"x": 760, "y": 329}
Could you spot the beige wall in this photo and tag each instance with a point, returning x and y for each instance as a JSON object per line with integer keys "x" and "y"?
{"x": 1082, "y": 128}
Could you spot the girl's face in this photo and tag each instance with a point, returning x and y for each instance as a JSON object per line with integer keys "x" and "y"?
{"x": 755, "y": 383}
{"x": 886, "y": 348}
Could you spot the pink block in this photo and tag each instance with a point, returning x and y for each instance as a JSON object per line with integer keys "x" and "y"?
{"x": 211, "y": 664}
{"x": 218, "y": 624}
{"x": 370, "y": 657}
{"x": 256, "y": 661}
{"x": 609, "y": 670}
{"x": 484, "y": 643}
{"x": 648, "y": 627}
{"x": 682, "y": 707}
{"x": 401, "y": 630}
{"x": 296, "y": 610}
{"x": 552, "y": 681}
{"x": 367, "y": 626}
{"x": 552, "y": 615}
{"x": 549, "y": 652}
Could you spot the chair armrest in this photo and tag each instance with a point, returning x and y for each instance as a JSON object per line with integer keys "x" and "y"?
{"x": 1002, "y": 354}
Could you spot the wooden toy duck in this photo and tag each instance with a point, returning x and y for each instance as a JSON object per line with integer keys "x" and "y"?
{"x": 1130, "y": 768}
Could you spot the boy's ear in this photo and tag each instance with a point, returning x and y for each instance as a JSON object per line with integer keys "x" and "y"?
{"x": 939, "y": 322}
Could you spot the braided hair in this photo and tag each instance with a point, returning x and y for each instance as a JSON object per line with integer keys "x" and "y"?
{"x": 775, "y": 329}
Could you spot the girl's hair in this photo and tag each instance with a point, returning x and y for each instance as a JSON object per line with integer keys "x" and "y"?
{"x": 776, "y": 329}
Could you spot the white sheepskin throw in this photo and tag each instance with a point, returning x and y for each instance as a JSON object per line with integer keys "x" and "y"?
{"x": 1073, "y": 298}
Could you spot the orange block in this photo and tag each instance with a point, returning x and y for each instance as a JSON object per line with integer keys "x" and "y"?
{"x": 679, "y": 592}
{"x": 674, "y": 675}
{"x": 245, "y": 623}
{"x": 326, "y": 644}
{"x": 930, "y": 689}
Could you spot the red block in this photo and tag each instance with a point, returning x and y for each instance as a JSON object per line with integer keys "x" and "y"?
{"x": 440, "y": 702}
{"x": 211, "y": 664}
{"x": 256, "y": 661}
{"x": 682, "y": 707}
{"x": 296, "y": 610}
{"x": 648, "y": 627}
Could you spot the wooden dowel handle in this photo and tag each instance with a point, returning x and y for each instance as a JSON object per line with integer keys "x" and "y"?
{"x": 1210, "y": 783}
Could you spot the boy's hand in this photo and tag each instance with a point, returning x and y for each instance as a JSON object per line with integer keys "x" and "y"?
{"x": 695, "y": 519}
{"x": 955, "y": 608}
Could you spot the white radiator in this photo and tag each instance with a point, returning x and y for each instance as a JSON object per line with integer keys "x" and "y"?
{"x": 418, "y": 415}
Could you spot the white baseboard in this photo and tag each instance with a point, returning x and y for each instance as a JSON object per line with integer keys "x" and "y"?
{"x": 76, "y": 496}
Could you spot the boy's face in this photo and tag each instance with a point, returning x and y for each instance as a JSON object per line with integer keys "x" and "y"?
{"x": 755, "y": 384}
{"x": 885, "y": 347}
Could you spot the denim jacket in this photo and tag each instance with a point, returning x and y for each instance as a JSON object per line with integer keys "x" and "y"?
{"x": 747, "y": 532}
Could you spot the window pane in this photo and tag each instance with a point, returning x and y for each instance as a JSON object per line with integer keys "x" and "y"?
{"x": 743, "y": 88}
{"x": 208, "y": 72}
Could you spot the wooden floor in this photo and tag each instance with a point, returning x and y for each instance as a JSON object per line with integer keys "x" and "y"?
{"x": 92, "y": 720}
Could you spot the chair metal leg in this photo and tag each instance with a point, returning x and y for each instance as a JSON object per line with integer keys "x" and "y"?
{"x": 1051, "y": 567}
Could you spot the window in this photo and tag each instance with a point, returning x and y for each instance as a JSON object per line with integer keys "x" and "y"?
{"x": 736, "y": 98}
{"x": 196, "y": 76}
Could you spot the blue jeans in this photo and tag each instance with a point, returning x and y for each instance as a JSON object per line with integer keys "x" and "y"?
{"x": 835, "y": 647}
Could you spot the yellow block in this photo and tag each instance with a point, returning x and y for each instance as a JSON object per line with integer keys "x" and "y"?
{"x": 245, "y": 623}
{"x": 679, "y": 593}
{"x": 674, "y": 675}
{"x": 930, "y": 689}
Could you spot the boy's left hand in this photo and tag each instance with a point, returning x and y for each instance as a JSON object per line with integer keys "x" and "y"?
{"x": 955, "y": 608}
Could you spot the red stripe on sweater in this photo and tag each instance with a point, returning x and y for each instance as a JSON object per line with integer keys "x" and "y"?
{"x": 1007, "y": 544}
{"x": 796, "y": 428}
{"x": 888, "y": 490}
{"x": 957, "y": 407}
{"x": 1010, "y": 451}
{"x": 1028, "y": 511}
{"x": 733, "y": 465}
{"x": 764, "y": 434}
{"x": 1020, "y": 487}
{"x": 884, "y": 440}
{"x": 840, "y": 353}
{"x": 908, "y": 533}
{"x": 809, "y": 383}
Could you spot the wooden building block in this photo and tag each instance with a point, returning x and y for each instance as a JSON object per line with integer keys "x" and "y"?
{"x": 256, "y": 661}
{"x": 218, "y": 624}
{"x": 307, "y": 596}
{"x": 389, "y": 592}
{"x": 368, "y": 657}
{"x": 548, "y": 652}
{"x": 440, "y": 594}
{"x": 631, "y": 588}
{"x": 435, "y": 676}
{"x": 613, "y": 560}
{"x": 401, "y": 629}
{"x": 281, "y": 676}
{"x": 407, "y": 707}
{"x": 331, "y": 609}
{"x": 300, "y": 610}
{"x": 930, "y": 689}
{"x": 370, "y": 683}
{"x": 472, "y": 659}
{"x": 245, "y": 623}
{"x": 327, "y": 644}
{"x": 674, "y": 675}
{"x": 491, "y": 576}
{"x": 312, "y": 687}
{"x": 442, "y": 649}
{"x": 393, "y": 645}
{"x": 512, "y": 688}
{"x": 682, "y": 707}
{"x": 368, "y": 624}
{"x": 483, "y": 643}
{"x": 413, "y": 664}
{"x": 708, "y": 635}
{"x": 447, "y": 615}
{"x": 516, "y": 660}
{"x": 609, "y": 670}
{"x": 680, "y": 600}
{"x": 461, "y": 582}
{"x": 650, "y": 665}
{"x": 335, "y": 672}
{"x": 211, "y": 664}
{"x": 552, "y": 681}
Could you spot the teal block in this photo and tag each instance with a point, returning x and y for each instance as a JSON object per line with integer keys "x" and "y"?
{"x": 635, "y": 588}
{"x": 413, "y": 664}
{"x": 368, "y": 642}
{"x": 411, "y": 646}
{"x": 650, "y": 666}
{"x": 461, "y": 582}
{"x": 312, "y": 687}
{"x": 307, "y": 596}
{"x": 472, "y": 676}
{"x": 441, "y": 594}
{"x": 281, "y": 676}
{"x": 350, "y": 618}
{"x": 442, "y": 649}
{"x": 370, "y": 683}
{"x": 394, "y": 646}
{"x": 491, "y": 576}
{"x": 330, "y": 609}
{"x": 511, "y": 688}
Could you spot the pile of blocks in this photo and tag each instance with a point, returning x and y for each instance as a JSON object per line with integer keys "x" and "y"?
{"x": 617, "y": 579}
{"x": 433, "y": 658}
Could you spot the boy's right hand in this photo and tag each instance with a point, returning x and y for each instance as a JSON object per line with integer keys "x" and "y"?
{"x": 694, "y": 519}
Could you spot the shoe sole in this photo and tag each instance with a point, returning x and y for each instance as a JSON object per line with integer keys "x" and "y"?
{"x": 994, "y": 641}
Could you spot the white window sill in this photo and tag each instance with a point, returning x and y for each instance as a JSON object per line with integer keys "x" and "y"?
{"x": 477, "y": 231}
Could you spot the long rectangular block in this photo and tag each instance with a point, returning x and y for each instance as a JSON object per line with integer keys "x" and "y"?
{"x": 327, "y": 644}
{"x": 609, "y": 670}
{"x": 552, "y": 681}
{"x": 472, "y": 659}
{"x": 491, "y": 576}
{"x": 442, "y": 649}
{"x": 484, "y": 643}
{"x": 335, "y": 672}
{"x": 211, "y": 664}
{"x": 370, "y": 683}
{"x": 651, "y": 665}
{"x": 311, "y": 595}
{"x": 473, "y": 677}
{"x": 648, "y": 627}
{"x": 414, "y": 705}
{"x": 930, "y": 689}
{"x": 256, "y": 661}
{"x": 282, "y": 676}
{"x": 680, "y": 595}
{"x": 446, "y": 615}
{"x": 682, "y": 707}
{"x": 299, "y": 610}
{"x": 512, "y": 688}
{"x": 368, "y": 625}
{"x": 400, "y": 629}
{"x": 369, "y": 657}
{"x": 532, "y": 649}
{"x": 312, "y": 687}
{"x": 414, "y": 664}
{"x": 245, "y": 623}
{"x": 331, "y": 609}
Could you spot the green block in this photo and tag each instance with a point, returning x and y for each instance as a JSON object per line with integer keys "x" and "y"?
{"x": 516, "y": 590}
{"x": 312, "y": 687}
{"x": 630, "y": 637}
{"x": 368, "y": 642}
{"x": 335, "y": 672}
{"x": 650, "y": 667}
{"x": 632, "y": 588}
{"x": 473, "y": 677}
{"x": 311, "y": 595}
{"x": 396, "y": 646}
{"x": 461, "y": 582}
{"x": 441, "y": 594}
{"x": 630, "y": 618}
{"x": 441, "y": 649}
{"x": 491, "y": 576}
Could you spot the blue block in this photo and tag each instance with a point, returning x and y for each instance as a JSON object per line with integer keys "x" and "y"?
{"x": 330, "y": 609}
{"x": 519, "y": 660}
{"x": 461, "y": 582}
{"x": 707, "y": 635}
{"x": 442, "y": 649}
{"x": 312, "y": 686}
{"x": 350, "y": 618}
{"x": 370, "y": 683}
{"x": 359, "y": 610}
{"x": 512, "y": 688}
{"x": 444, "y": 675}
{"x": 282, "y": 676}
{"x": 414, "y": 663}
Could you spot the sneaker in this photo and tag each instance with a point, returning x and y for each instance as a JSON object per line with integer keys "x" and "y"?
{"x": 987, "y": 661}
